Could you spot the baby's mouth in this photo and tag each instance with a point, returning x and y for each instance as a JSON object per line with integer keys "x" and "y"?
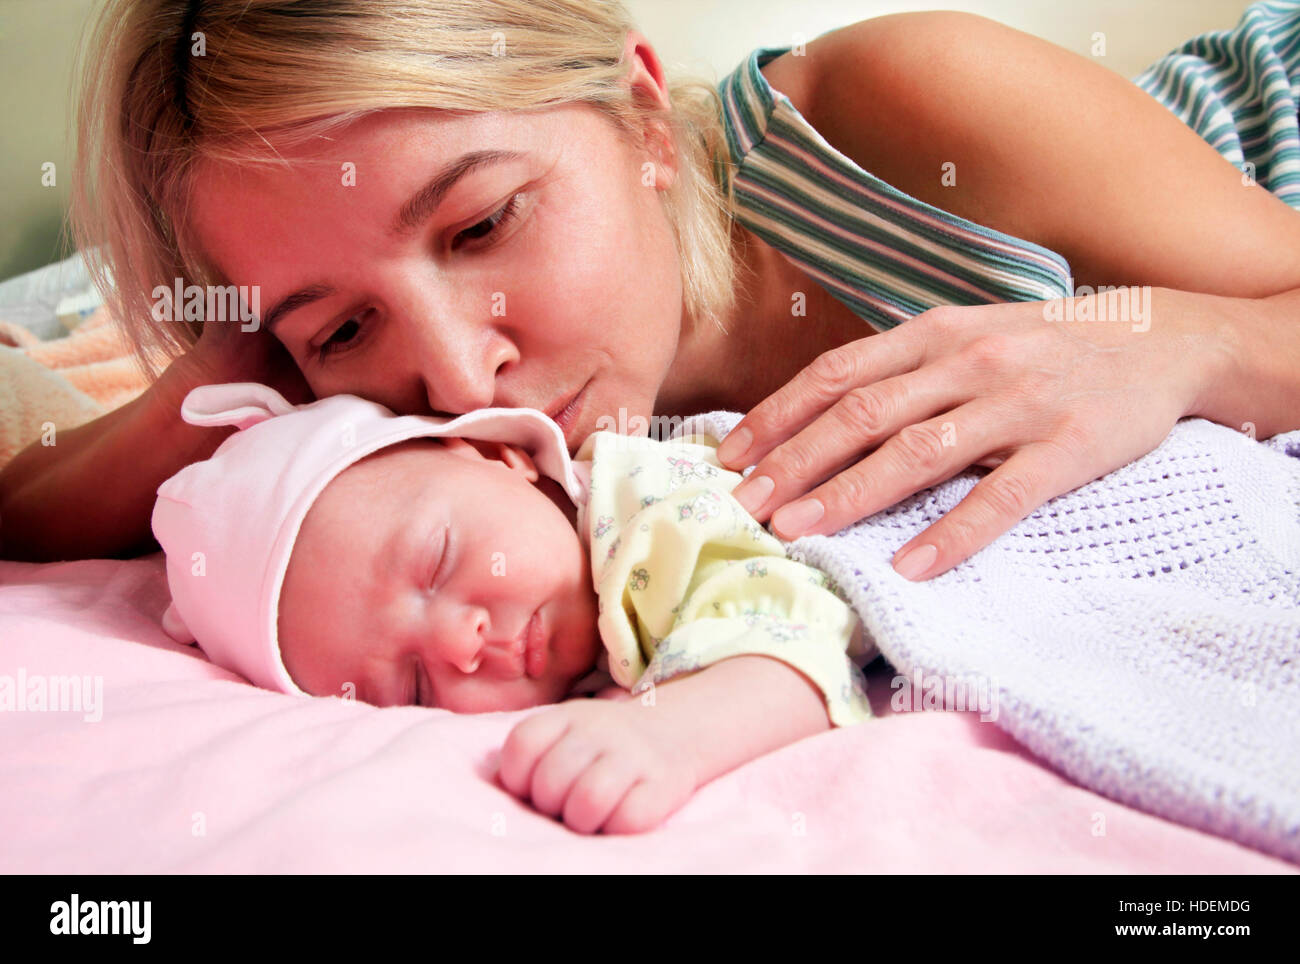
{"x": 536, "y": 646}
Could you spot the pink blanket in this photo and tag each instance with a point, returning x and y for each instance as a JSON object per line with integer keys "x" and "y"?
{"x": 183, "y": 767}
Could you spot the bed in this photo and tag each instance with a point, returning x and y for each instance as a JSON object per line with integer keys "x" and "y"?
{"x": 126, "y": 752}
{"x": 172, "y": 765}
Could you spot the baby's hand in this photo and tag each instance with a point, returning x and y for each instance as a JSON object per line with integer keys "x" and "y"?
{"x": 601, "y": 765}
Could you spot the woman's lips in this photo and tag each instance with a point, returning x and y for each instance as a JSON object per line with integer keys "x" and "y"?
{"x": 535, "y": 649}
{"x": 567, "y": 416}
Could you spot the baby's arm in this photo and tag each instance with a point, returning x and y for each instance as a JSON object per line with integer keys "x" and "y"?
{"x": 736, "y": 710}
{"x": 748, "y": 650}
{"x": 625, "y": 766}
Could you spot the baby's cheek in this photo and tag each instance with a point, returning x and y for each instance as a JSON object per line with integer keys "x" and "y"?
{"x": 300, "y": 661}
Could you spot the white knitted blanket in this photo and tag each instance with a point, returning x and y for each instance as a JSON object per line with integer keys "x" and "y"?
{"x": 1141, "y": 634}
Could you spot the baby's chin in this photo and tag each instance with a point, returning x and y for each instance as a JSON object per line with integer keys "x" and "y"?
{"x": 557, "y": 689}
{"x": 562, "y": 689}
{"x": 541, "y": 693}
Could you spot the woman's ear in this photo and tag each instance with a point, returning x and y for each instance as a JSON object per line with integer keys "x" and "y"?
{"x": 649, "y": 90}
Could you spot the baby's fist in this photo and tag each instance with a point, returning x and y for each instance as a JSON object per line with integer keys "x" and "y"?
{"x": 600, "y": 765}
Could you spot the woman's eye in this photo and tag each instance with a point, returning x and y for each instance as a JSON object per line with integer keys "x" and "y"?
{"x": 488, "y": 225}
{"x": 345, "y": 336}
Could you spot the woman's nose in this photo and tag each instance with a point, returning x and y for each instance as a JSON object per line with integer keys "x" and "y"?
{"x": 459, "y": 355}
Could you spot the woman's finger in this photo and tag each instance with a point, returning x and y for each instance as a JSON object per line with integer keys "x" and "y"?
{"x": 856, "y": 423}
{"x": 818, "y": 386}
{"x": 920, "y": 455}
{"x": 1034, "y": 474}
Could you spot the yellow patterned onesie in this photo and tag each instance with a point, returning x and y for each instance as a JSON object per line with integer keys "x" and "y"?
{"x": 685, "y": 577}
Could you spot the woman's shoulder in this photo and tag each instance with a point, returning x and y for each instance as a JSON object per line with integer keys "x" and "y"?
{"x": 885, "y": 70}
{"x": 1015, "y": 133}
{"x": 911, "y": 97}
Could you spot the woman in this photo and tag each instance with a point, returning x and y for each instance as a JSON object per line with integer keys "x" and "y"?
{"x": 558, "y": 232}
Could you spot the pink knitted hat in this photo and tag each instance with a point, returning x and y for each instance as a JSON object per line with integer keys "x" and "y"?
{"x": 228, "y": 524}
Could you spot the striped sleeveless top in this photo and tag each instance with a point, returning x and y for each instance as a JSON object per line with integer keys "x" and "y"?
{"x": 889, "y": 256}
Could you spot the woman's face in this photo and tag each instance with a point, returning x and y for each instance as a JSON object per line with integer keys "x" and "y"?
{"x": 546, "y": 271}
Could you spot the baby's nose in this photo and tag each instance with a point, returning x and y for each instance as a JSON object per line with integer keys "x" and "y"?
{"x": 470, "y": 664}
{"x": 462, "y": 639}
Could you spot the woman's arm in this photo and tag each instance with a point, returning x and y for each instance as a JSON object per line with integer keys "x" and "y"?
{"x": 1259, "y": 390}
{"x": 91, "y": 493}
{"x": 1055, "y": 149}
{"x": 1051, "y": 147}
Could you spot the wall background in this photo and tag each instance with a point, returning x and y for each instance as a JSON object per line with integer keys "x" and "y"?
{"x": 703, "y": 37}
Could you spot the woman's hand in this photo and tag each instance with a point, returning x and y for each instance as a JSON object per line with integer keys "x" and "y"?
{"x": 600, "y": 765}
{"x": 1049, "y": 405}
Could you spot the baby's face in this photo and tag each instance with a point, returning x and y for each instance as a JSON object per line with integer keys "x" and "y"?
{"x": 418, "y": 571}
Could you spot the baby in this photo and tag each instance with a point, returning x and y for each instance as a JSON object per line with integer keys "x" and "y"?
{"x": 469, "y": 564}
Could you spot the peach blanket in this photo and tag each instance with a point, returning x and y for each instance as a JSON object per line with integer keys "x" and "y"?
{"x": 62, "y": 383}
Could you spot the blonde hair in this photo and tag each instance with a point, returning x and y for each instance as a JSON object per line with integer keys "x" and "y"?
{"x": 149, "y": 112}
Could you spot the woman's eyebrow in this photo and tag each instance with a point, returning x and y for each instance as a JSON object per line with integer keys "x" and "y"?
{"x": 413, "y": 213}
{"x": 299, "y": 299}
{"x": 426, "y": 200}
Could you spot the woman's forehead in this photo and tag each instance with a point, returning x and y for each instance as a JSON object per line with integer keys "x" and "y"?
{"x": 245, "y": 217}
{"x": 436, "y": 134}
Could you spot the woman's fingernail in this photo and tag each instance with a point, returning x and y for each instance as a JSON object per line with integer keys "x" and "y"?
{"x": 758, "y": 489}
{"x": 735, "y": 445}
{"x": 916, "y": 562}
{"x": 792, "y": 521}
